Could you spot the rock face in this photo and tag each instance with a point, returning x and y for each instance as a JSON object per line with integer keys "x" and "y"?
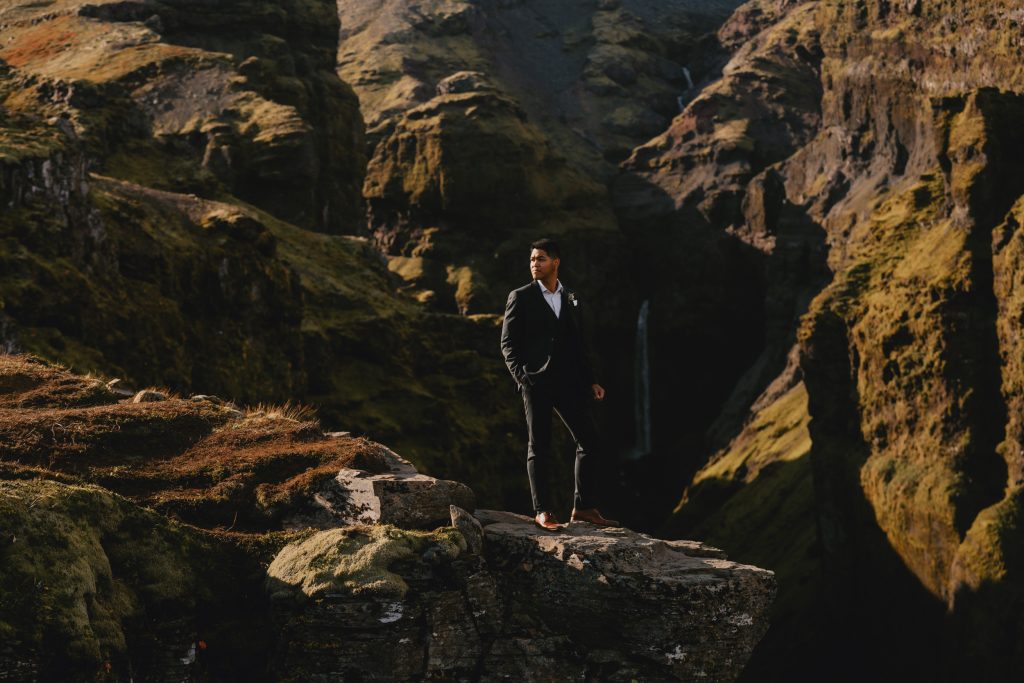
{"x": 204, "y": 583}
{"x": 586, "y": 603}
{"x": 157, "y": 87}
{"x": 465, "y": 169}
{"x": 902, "y": 169}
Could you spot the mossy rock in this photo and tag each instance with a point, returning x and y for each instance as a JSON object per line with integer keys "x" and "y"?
{"x": 85, "y": 573}
{"x": 356, "y": 560}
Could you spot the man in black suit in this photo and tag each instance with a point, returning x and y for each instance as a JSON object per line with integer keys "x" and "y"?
{"x": 544, "y": 350}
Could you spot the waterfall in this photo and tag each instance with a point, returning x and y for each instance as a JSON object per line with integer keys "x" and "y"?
{"x": 8, "y": 338}
{"x": 642, "y": 385}
{"x": 685, "y": 97}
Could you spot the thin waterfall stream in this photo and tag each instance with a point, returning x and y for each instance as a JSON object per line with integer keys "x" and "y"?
{"x": 642, "y": 385}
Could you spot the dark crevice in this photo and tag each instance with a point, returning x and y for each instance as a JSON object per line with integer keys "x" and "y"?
{"x": 486, "y": 640}
{"x": 980, "y": 365}
{"x": 870, "y": 598}
{"x": 988, "y": 199}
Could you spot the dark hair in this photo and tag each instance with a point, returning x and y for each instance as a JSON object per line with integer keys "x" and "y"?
{"x": 549, "y": 245}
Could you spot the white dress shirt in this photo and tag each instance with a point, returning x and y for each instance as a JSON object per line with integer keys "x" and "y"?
{"x": 554, "y": 298}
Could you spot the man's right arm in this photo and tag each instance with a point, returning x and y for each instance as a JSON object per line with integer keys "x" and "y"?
{"x": 512, "y": 341}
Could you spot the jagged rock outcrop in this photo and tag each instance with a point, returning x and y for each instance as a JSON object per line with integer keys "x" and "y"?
{"x": 586, "y": 603}
{"x": 203, "y": 583}
{"x": 466, "y": 169}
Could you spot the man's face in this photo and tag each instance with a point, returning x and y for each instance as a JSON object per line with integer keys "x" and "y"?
{"x": 542, "y": 265}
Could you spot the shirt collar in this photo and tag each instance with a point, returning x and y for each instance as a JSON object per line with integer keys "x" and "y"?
{"x": 544, "y": 290}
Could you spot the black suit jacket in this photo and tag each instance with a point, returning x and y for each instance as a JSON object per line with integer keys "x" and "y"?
{"x": 528, "y": 336}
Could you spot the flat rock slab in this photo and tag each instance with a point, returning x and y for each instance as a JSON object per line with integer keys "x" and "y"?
{"x": 400, "y": 496}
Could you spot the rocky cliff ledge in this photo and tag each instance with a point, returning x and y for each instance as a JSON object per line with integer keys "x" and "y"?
{"x": 145, "y": 536}
{"x": 586, "y": 604}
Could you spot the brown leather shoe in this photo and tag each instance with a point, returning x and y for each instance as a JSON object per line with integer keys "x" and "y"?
{"x": 547, "y": 521}
{"x": 593, "y": 516}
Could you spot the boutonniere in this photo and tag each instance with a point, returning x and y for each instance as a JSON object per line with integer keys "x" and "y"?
{"x": 573, "y": 300}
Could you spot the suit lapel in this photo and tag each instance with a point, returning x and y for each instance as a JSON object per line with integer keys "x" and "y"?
{"x": 567, "y": 307}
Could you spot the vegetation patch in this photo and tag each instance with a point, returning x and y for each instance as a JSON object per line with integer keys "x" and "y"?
{"x": 355, "y": 560}
{"x": 75, "y": 574}
{"x": 198, "y": 459}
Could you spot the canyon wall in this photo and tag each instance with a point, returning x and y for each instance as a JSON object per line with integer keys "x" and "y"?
{"x": 896, "y": 448}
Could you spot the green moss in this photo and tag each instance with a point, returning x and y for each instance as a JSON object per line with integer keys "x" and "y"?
{"x": 355, "y": 560}
{"x": 912, "y": 303}
{"x": 27, "y": 142}
{"x": 159, "y": 166}
{"x": 990, "y": 552}
{"x": 755, "y": 500}
{"x": 409, "y": 268}
{"x": 777, "y": 434}
{"x": 79, "y": 563}
{"x": 733, "y": 134}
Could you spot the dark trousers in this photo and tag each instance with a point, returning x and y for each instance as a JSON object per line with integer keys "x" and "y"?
{"x": 553, "y": 394}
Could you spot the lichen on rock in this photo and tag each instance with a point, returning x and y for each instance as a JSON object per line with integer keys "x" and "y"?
{"x": 355, "y": 560}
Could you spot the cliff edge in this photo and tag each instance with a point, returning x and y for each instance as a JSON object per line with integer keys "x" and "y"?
{"x": 149, "y": 536}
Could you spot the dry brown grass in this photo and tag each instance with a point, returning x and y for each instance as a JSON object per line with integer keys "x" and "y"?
{"x": 196, "y": 460}
{"x": 27, "y": 382}
{"x": 285, "y": 411}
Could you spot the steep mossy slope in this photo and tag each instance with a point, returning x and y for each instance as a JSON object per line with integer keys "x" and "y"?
{"x": 757, "y": 497}
{"x": 908, "y": 356}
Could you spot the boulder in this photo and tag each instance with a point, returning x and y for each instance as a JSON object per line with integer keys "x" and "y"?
{"x": 464, "y": 81}
{"x": 148, "y": 396}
